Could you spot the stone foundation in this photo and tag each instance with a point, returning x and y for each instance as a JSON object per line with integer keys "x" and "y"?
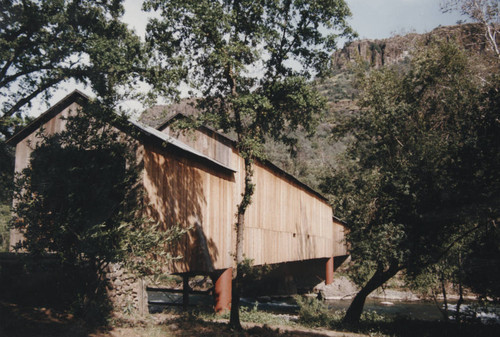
{"x": 126, "y": 292}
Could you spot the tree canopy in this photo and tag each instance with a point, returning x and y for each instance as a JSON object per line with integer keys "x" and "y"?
{"x": 419, "y": 173}
{"x": 44, "y": 44}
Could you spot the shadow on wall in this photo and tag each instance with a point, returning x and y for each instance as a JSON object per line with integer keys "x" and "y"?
{"x": 176, "y": 195}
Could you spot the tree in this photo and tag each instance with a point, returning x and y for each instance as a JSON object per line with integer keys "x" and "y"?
{"x": 43, "y": 44}
{"x": 486, "y": 12}
{"x": 80, "y": 198}
{"x": 419, "y": 174}
{"x": 250, "y": 62}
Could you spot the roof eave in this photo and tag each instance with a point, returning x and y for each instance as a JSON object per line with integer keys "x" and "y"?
{"x": 75, "y": 96}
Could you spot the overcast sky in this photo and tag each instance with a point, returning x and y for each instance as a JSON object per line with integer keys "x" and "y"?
{"x": 376, "y": 19}
{"x": 372, "y": 19}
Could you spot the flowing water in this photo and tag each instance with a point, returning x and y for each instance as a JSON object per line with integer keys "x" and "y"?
{"x": 420, "y": 310}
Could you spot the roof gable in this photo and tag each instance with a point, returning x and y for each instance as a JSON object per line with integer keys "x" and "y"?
{"x": 75, "y": 96}
{"x": 141, "y": 132}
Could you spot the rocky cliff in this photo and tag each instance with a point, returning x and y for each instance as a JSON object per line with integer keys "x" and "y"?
{"x": 398, "y": 48}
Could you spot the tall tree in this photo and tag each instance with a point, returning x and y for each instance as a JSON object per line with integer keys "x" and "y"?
{"x": 43, "y": 44}
{"x": 419, "y": 173}
{"x": 250, "y": 62}
{"x": 46, "y": 43}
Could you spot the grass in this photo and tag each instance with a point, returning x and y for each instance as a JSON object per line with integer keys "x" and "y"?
{"x": 24, "y": 321}
{"x": 250, "y": 315}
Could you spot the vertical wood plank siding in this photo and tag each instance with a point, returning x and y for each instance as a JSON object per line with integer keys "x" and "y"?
{"x": 285, "y": 222}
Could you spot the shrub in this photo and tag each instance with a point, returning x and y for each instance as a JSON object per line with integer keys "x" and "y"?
{"x": 313, "y": 312}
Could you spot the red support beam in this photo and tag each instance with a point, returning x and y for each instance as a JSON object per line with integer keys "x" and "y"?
{"x": 329, "y": 271}
{"x": 223, "y": 291}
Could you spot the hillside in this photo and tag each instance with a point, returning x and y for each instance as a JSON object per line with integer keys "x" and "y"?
{"x": 318, "y": 155}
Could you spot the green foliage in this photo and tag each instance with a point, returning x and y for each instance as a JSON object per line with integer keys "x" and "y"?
{"x": 253, "y": 315}
{"x": 419, "y": 173}
{"x": 313, "y": 312}
{"x": 77, "y": 181}
{"x": 219, "y": 42}
{"x": 480, "y": 265}
{"x": 7, "y": 128}
{"x": 5, "y": 216}
{"x": 43, "y": 44}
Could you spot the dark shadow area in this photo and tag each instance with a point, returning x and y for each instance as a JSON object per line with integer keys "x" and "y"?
{"x": 28, "y": 321}
{"x": 416, "y": 328}
{"x": 36, "y": 298}
{"x": 71, "y": 203}
{"x": 339, "y": 260}
{"x": 290, "y": 278}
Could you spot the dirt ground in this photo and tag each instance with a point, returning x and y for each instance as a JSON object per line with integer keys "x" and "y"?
{"x": 25, "y": 321}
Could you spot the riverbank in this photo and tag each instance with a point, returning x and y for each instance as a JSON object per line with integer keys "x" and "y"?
{"x": 29, "y": 321}
{"x": 344, "y": 289}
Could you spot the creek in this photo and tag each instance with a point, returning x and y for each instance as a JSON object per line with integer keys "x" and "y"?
{"x": 418, "y": 310}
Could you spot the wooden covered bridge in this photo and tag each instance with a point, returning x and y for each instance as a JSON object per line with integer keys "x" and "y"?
{"x": 196, "y": 180}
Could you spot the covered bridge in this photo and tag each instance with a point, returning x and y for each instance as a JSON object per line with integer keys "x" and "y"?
{"x": 197, "y": 180}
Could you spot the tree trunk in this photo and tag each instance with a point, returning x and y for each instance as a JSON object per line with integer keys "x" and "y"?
{"x": 460, "y": 289}
{"x": 353, "y": 314}
{"x": 444, "y": 311}
{"x": 234, "y": 320}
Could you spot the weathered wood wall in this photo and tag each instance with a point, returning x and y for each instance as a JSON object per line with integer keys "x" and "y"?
{"x": 207, "y": 142}
{"x": 26, "y": 146}
{"x": 183, "y": 192}
{"x": 285, "y": 222}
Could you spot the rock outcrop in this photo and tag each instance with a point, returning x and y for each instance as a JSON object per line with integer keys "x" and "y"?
{"x": 398, "y": 48}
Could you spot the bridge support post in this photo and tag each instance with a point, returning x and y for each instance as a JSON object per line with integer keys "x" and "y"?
{"x": 223, "y": 291}
{"x": 329, "y": 271}
{"x": 185, "y": 292}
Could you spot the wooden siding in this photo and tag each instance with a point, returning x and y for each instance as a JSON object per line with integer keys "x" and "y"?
{"x": 26, "y": 146}
{"x": 285, "y": 222}
{"x": 183, "y": 192}
{"x": 212, "y": 145}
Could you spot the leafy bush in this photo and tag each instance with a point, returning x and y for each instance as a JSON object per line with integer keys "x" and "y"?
{"x": 313, "y": 312}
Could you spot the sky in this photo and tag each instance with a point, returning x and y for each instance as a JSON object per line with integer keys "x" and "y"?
{"x": 378, "y": 19}
{"x": 372, "y": 19}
